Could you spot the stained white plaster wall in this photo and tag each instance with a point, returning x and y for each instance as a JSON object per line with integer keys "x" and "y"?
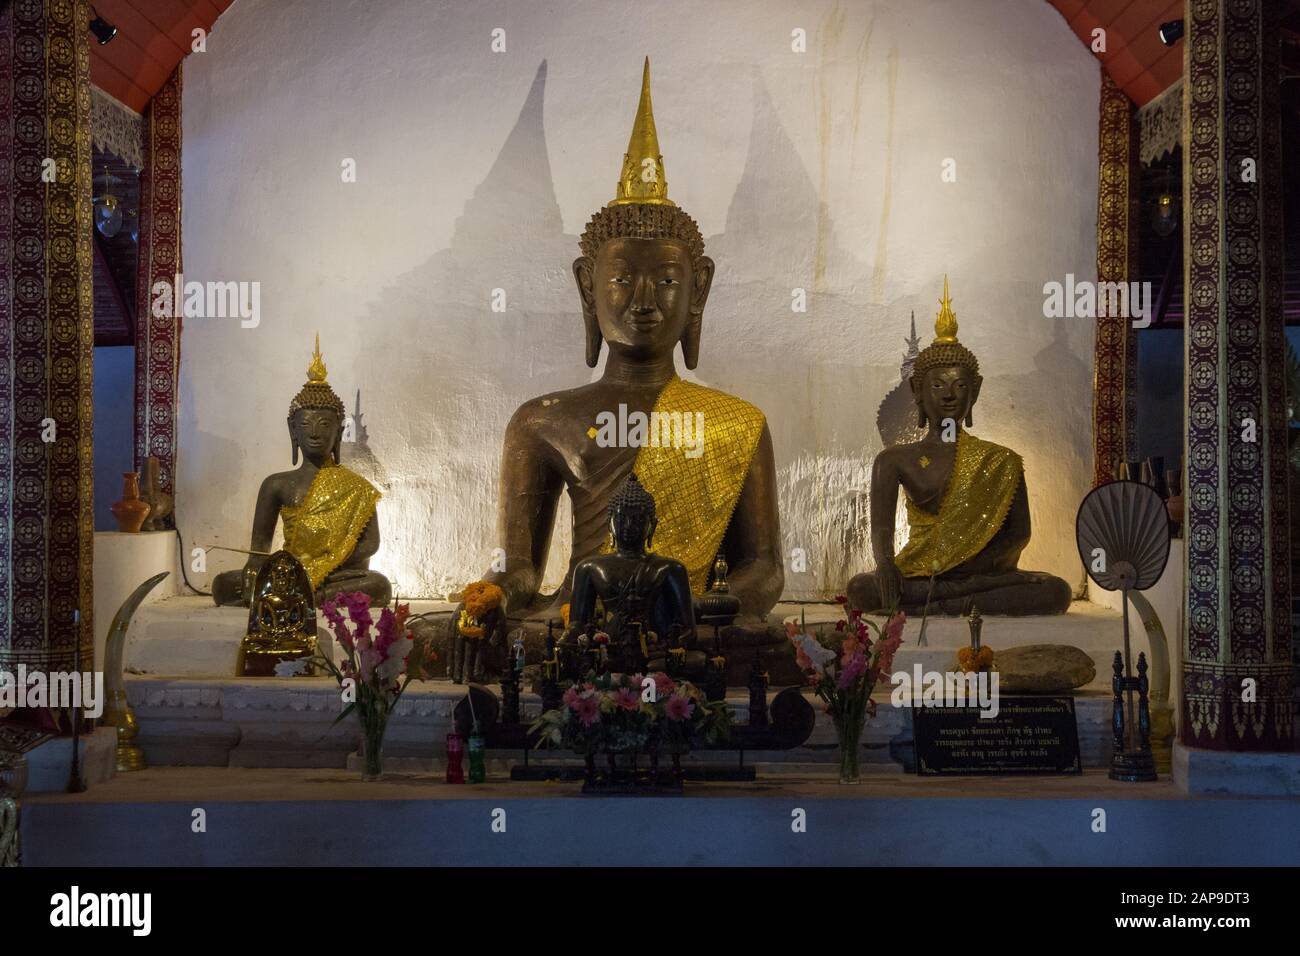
{"x": 477, "y": 170}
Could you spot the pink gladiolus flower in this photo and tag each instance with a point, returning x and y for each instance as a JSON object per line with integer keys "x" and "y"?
{"x": 331, "y": 612}
{"x": 627, "y": 698}
{"x": 887, "y": 649}
{"x": 664, "y": 685}
{"x": 387, "y": 633}
{"x": 679, "y": 707}
{"x": 370, "y": 659}
{"x": 853, "y": 668}
{"x": 895, "y": 626}
{"x": 791, "y": 629}
{"x": 588, "y": 710}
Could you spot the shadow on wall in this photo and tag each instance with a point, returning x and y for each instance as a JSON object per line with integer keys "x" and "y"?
{"x": 501, "y": 324}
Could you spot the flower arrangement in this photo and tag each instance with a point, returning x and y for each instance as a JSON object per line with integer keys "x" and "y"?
{"x": 478, "y": 601}
{"x": 971, "y": 659}
{"x": 617, "y": 713}
{"x": 845, "y": 678}
{"x": 381, "y": 659}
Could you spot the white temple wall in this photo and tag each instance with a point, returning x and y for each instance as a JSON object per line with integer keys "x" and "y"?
{"x": 476, "y": 171}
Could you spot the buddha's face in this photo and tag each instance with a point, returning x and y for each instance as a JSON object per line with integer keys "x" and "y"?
{"x": 317, "y": 432}
{"x": 643, "y": 295}
{"x": 947, "y": 393}
{"x": 632, "y": 532}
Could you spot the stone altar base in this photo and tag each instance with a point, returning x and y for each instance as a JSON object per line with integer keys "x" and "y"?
{"x": 330, "y": 817}
{"x": 1268, "y": 774}
{"x": 49, "y": 765}
{"x": 187, "y": 636}
{"x": 288, "y": 722}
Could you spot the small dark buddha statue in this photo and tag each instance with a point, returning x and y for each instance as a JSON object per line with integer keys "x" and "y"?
{"x": 643, "y": 280}
{"x": 642, "y": 593}
{"x": 329, "y": 511}
{"x": 967, "y": 505}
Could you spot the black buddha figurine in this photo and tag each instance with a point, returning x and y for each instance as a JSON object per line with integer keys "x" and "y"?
{"x": 646, "y": 596}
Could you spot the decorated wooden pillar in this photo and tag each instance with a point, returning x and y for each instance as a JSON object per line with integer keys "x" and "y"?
{"x": 1115, "y": 357}
{"x": 46, "y": 335}
{"x": 157, "y": 349}
{"x": 1237, "y": 668}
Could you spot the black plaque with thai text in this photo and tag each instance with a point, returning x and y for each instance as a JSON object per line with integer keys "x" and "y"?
{"x": 1032, "y": 735}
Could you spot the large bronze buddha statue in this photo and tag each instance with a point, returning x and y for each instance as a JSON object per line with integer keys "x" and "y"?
{"x": 329, "y": 511}
{"x": 705, "y": 456}
{"x": 967, "y": 505}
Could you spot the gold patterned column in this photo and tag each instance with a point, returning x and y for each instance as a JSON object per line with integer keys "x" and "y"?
{"x": 46, "y": 335}
{"x": 1115, "y": 362}
{"x": 1237, "y": 669}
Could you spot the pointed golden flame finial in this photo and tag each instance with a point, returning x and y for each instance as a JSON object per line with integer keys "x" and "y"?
{"x": 945, "y": 324}
{"x": 316, "y": 370}
{"x": 643, "y": 179}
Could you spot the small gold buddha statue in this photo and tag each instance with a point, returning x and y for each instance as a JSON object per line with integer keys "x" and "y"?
{"x": 967, "y": 504}
{"x": 281, "y": 618}
{"x": 643, "y": 280}
{"x": 329, "y": 511}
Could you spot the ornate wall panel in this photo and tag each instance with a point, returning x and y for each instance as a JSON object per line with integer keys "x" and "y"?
{"x": 157, "y": 353}
{"x": 46, "y": 334}
{"x": 1238, "y": 571}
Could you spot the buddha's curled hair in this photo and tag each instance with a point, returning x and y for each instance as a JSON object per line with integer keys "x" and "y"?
{"x": 944, "y": 355}
{"x": 641, "y": 221}
{"x": 632, "y": 500}
{"x": 317, "y": 395}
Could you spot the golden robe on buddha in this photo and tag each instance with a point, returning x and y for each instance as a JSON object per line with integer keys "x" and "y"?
{"x": 323, "y": 531}
{"x": 696, "y": 495}
{"x": 985, "y": 479}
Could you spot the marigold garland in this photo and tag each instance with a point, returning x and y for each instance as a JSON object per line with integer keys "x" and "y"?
{"x": 968, "y": 659}
{"x": 478, "y": 601}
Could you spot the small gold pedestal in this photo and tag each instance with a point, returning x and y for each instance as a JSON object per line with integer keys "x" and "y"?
{"x": 259, "y": 658}
{"x": 118, "y": 713}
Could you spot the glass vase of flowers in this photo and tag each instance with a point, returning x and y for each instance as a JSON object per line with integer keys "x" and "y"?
{"x": 845, "y": 676}
{"x": 380, "y": 659}
{"x": 622, "y": 714}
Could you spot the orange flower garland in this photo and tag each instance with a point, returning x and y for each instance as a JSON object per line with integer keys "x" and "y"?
{"x": 478, "y": 601}
{"x": 968, "y": 659}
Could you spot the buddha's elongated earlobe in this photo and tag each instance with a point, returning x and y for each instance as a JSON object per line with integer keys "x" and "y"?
{"x": 702, "y": 270}
{"x": 293, "y": 441}
{"x": 650, "y": 533}
{"x": 970, "y": 422}
{"x": 582, "y": 274}
{"x": 691, "y": 340}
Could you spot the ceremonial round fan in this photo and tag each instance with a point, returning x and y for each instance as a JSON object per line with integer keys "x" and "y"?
{"x": 1122, "y": 531}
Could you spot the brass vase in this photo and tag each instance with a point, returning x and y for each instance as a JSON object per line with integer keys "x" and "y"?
{"x": 131, "y": 511}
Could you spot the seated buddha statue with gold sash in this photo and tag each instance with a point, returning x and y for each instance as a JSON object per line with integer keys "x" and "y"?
{"x": 967, "y": 504}
{"x": 329, "y": 511}
{"x": 705, "y": 456}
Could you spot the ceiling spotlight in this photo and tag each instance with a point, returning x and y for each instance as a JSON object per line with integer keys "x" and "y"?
{"x": 1171, "y": 32}
{"x": 103, "y": 30}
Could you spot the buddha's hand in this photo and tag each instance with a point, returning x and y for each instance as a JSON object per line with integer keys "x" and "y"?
{"x": 890, "y": 582}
